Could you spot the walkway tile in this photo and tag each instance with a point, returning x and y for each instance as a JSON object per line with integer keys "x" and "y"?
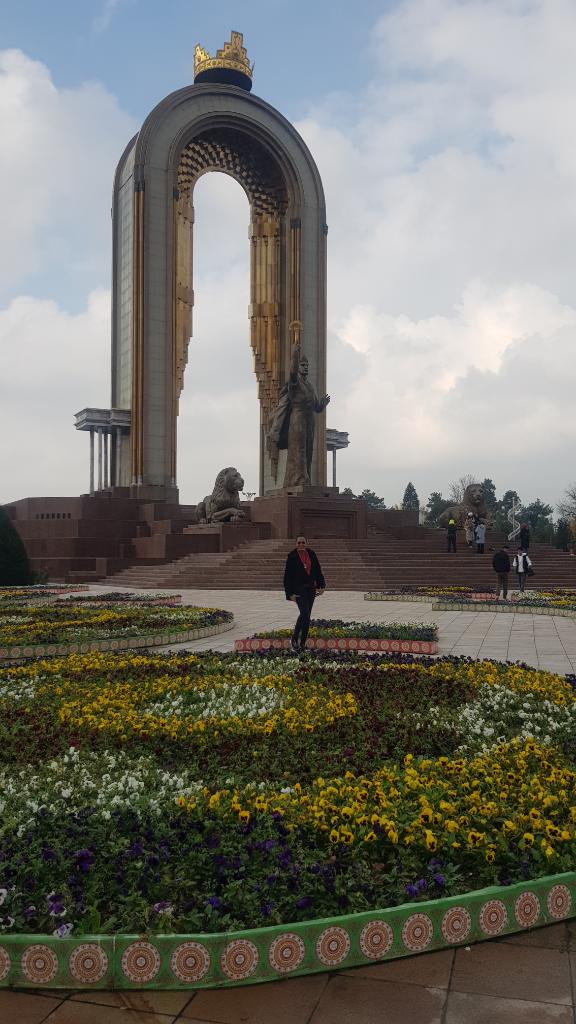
{"x": 92, "y": 1013}
{"x": 146, "y": 1001}
{"x": 515, "y": 972}
{"x": 359, "y": 1001}
{"x": 464, "y": 1008}
{"x": 280, "y": 1002}
{"x": 552, "y": 936}
{"x": 428, "y": 969}
{"x": 25, "y": 1008}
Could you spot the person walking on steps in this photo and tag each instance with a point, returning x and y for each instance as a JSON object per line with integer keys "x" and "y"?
{"x": 523, "y": 565}
{"x": 469, "y": 528}
{"x": 501, "y": 566}
{"x": 480, "y": 536}
{"x": 303, "y": 580}
{"x": 451, "y": 535}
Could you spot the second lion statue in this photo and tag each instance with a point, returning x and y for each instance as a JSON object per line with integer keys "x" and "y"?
{"x": 223, "y": 505}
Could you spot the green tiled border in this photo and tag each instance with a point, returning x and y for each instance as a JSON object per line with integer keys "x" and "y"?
{"x": 25, "y": 652}
{"x": 502, "y": 607}
{"x": 361, "y": 645}
{"x": 266, "y": 954}
{"x": 376, "y": 595}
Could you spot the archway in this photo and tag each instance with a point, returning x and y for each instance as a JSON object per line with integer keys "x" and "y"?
{"x": 197, "y": 129}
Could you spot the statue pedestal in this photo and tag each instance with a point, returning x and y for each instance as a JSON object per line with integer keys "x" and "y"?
{"x": 313, "y": 511}
{"x": 308, "y": 491}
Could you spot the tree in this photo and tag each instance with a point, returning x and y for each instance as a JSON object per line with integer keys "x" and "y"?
{"x": 458, "y": 487}
{"x": 537, "y": 514}
{"x": 567, "y": 507}
{"x": 348, "y": 492}
{"x": 15, "y": 568}
{"x": 372, "y": 499}
{"x": 490, "y": 494}
{"x": 563, "y": 535}
{"x": 435, "y": 506}
{"x": 410, "y": 501}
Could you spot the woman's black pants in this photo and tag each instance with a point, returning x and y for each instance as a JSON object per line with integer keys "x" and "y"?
{"x": 305, "y": 601}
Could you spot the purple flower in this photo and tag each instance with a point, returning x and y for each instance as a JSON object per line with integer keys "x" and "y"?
{"x": 421, "y": 884}
{"x": 136, "y": 850}
{"x": 440, "y": 880}
{"x": 63, "y": 930}
{"x": 303, "y": 902}
{"x": 213, "y": 901}
{"x": 163, "y": 907}
{"x": 411, "y": 890}
{"x": 56, "y": 905}
{"x": 266, "y": 909}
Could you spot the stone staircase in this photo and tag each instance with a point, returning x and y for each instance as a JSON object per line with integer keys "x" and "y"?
{"x": 414, "y": 556}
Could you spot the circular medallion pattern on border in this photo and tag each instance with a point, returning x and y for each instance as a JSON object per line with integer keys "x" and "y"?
{"x": 493, "y": 917}
{"x": 39, "y": 963}
{"x": 88, "y": 963}
{"x": 239, "y": 959}
{"x": 333, "y": 946}
{"x": 4, "y": 963}
{"x": 559, "y": 901}
{"x": 190, "y": 961}
{"x": 286, "y": 952}
{"x": 417, "y": 932}
{"x": 456, "y": 924}
{"x": 376, "y": 939}
{"x": 527, "y": 909}
{"x": 140, "y": 962}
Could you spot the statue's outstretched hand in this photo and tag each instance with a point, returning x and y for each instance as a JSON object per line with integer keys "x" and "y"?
{"x": 325, "y": 401}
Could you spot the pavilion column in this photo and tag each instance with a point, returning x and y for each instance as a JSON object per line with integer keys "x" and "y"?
{"x": 91, "y": 461}
{"x": 106, "y": 439}
{"x": 333, "y": 467}
{"x": 99, "y": 458}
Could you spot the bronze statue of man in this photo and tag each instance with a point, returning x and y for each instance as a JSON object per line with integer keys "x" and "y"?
{"x": 293, "y": 421}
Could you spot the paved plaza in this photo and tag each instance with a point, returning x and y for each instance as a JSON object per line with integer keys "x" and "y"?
{"x": 528, "y": 978}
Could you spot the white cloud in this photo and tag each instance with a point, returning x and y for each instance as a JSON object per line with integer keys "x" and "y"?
{"x": 57, "y": 159}
{"x": 52, "y": 366}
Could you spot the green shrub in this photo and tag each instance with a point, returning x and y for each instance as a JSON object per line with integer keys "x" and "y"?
{"x": 14, "y": 565}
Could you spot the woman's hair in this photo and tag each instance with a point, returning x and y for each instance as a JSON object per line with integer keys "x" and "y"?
{"x": 301, "y": 536}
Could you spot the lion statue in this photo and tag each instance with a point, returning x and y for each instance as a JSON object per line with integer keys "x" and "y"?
{"x": 474, "y": 501}
{"x": 223, "y": 505}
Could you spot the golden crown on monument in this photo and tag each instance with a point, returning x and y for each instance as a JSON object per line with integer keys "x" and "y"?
{"x": 232, "y": 57}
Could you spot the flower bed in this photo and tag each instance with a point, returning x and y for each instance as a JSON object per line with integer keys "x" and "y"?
{"x": 335, "y": 634}
{"x": 125, "y": 597}
{"x": 28, "y": 631}
{"x": 209, "y": 819}
{"x": 328, "y": 629}
{"x": 515, "y": 604}
{"x": 426, "y": 594}
{"x": 40, "y": 592}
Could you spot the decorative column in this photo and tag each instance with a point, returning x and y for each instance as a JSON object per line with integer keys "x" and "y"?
{"x": 91, "y": 461}
{"x": 106, "y": 438}
{"x": 99, "y": 458}
{"x": 333, "y": 467}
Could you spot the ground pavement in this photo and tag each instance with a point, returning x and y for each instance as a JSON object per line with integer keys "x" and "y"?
{"x": 528, "y": 978}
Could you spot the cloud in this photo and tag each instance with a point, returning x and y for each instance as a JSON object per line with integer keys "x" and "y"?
{"x": 450, "y": 205}
{"x": 57, "y": 160}
{"x": 102, "y": 21}
{"x": 52, "y": 366}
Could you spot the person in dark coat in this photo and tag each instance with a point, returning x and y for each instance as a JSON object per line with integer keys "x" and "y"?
{"x": 451, "y": 535}
{"x": 501, "y": 566}
{"x": 303, "y": 579}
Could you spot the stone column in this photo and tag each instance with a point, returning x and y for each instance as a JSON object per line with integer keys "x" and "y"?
{"x": 105, "y": 440}
{"x": 91, "y": 461}
{"x": 333, "y": 467}
{"x": 99, "y": 458}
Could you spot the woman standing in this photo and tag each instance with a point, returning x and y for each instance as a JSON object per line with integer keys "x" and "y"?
{"x": 522, "y": 564}
{"x": 303, "y": 579}
{"x": 480, "y": 536}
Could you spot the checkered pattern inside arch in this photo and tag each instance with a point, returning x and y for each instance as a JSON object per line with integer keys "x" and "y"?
{"x": 244, "y": 159}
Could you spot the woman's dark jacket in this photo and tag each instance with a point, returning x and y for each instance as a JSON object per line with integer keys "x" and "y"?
{"x": 296, "y": 577}
{"x": 524, "y": 538}
{"x": 501, "y": 562}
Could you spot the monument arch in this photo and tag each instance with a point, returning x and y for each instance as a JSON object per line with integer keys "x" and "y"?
{"x": 213, "y": 125}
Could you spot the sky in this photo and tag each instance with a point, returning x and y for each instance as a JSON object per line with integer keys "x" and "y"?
{"x": 445, "y": 135}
